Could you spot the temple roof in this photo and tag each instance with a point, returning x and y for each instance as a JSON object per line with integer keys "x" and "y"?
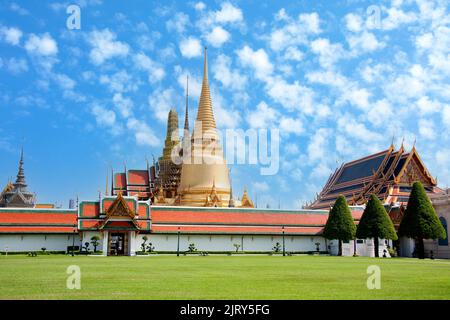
{"x": 33, "y": 220}
{"x": 240, "y": 220}
{"x": 18, "y": 195}
{"x": 377, "y": 173}
{"x": 132, "y": 183}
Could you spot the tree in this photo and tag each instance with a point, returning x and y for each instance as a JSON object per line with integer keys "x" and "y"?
{"x": 277, "y": 247}
{"x": 420, "y": 220}
{"x": 150, "y": 247}
{"x": 95, "y": 242}
{"x": 340, "y": 225}
{"x": 192, "y": 247}
{"x": 143, "y": 245}
{"x": 375, "y": 223}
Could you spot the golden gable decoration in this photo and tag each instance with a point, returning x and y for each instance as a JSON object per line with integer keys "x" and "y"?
{"x": 119, "y": 208}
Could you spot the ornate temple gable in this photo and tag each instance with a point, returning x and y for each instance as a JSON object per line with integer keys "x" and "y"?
{"x": 119, "y": 208}
{"x": 414, "y": 170}
{"x": 213, "y": 200}
{"x": 246, "y": 202}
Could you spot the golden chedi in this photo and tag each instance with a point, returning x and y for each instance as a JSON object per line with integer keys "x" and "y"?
{"x": 204, "y": 174}
{"x": 169, "y": 172}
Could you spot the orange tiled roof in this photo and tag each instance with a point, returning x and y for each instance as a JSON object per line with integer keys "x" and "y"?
{"x": 37, "y": 220}
{"x": 228, "y": 216}
{"x": 138, "y": 177}
{"x": 236, "y": 229}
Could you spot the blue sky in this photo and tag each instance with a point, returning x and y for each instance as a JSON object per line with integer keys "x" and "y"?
{"x": 338, "y": 80}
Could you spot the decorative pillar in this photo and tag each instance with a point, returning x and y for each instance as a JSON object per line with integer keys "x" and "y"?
{"x": 132, "y": 243}
{"x": 105, "y": 247}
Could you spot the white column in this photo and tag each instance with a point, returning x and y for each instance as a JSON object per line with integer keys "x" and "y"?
{"x": 105, "y": 243}
{"x": 132, "y": 243}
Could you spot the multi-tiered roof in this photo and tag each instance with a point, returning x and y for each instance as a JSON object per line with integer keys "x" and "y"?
{"x": 17, "y": 194}
{"x": 389, "y": 174}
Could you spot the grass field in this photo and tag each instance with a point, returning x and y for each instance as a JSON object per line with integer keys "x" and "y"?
{"x": 222, "y": 277}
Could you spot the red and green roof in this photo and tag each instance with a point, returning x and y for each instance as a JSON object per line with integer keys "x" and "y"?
{"x": 37, "y": 220}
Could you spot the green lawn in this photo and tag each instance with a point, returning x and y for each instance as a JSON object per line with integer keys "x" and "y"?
{"x": 222, "y": 277}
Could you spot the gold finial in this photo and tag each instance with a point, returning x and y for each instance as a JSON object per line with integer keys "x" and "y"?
{"x": 186, "y": 115}
{"x": 205, "y": 107}
{"x": 106, "y": 188}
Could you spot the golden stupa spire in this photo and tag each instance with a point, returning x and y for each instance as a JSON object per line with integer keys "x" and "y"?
{"x": 186, "y": 115}
{"x": 204, "y": 165}
{"x": 205, "y": 108}
{"x": 172, "y": 129}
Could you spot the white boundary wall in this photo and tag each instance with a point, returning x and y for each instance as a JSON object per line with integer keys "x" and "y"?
{"x": 35, "y": 242}
{"x": 168, "y": 242}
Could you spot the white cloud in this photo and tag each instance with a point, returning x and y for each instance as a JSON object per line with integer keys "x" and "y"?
{"x": 199, "y": 6}
{"x": 292, "y": 149}
{"x": 228, "y": 14}
{"x": 310, "y": 22}
{"x": 295, "y": 32}
{"x": 103, "y": 116}
{"x": 281, "y": 15}
{"x": 290, "y": 125}
{"x": 16, "y": 66}
{"x": 446, "y": 115}
{"x": 317, "y": 146}
{"x": 123, "y": 104}
{"x": 228, "y": 77}
{"x": 11, "y": 35}
{"x": 18, "y": 9}
{"x": 396, "y": 17}
{"x": 155, "y": 72}
{"x": 292, "y": 96}
{"x": 190, "y": 47}
{"x": 104, "y": 46}
{"x": 328, "y": 53}
{"x": 178, "y": 23}
{"x": 364, "y": 42}
{"x": 292, "y": 53}
{"x": 353, "y": 128}
{"x": 426, "y": 129}
{"x": 43, "y": 45}
{"x": 424, "y": 41}
{"x": 380, "y": 112}
{"x": 427, "y": 106}
{"x": 260, "y": 186}
{"x": 143, "y": 134}
{"x": 120, "y": 81}
{"x": 263, "y": 117}
{"x": 160, "y": 102}
{"x": 258, "y": 60}
{"x": 218, "y": 36}
{"x": 353, "y": 22}
{"x": 64, "y": 81}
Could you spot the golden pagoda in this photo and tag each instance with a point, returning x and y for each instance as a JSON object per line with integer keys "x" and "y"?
{"x": 169, "y": 172}
{"x": 204, "y": 174}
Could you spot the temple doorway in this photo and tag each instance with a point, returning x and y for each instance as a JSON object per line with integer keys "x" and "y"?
{"x": 118, "y": 244}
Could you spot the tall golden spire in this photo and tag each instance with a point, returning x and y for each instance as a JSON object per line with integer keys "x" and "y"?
{"x": 205, "y": 109}
{"x": 186, "y": 115}
{"x": 170, "y": 143}
{"x": 205, "y": 163}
